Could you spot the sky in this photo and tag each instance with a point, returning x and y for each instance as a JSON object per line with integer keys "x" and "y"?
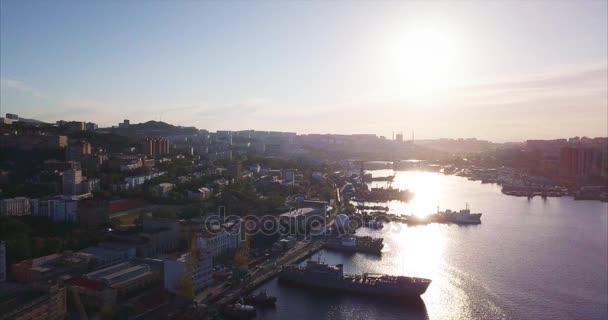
{"x": 495, "y": 70}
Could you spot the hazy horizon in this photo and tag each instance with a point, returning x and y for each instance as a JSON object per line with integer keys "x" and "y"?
{"x": 507, "y": 71}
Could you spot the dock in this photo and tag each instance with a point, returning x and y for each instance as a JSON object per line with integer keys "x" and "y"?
{"x": 268, "y": 272}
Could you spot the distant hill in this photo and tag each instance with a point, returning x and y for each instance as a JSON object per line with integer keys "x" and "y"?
{"x": 457, "y": 146}
{"x": 32, "y": 121}
{"x": 152, "y": 129}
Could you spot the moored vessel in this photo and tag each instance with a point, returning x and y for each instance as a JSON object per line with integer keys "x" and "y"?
{"x": 323, "y": 276}
{"x": 355, "y": 244}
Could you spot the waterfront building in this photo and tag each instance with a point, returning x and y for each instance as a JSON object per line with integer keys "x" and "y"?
{"x": 309, "y": 211}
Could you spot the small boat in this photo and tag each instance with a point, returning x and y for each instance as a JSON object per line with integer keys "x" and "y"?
{"x": 262, "y": 299}
{"x": 240, "y": 311}
{"x": 374, "y": 224}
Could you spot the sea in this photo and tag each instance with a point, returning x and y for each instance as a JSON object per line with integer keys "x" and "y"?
{"x": 529, "y": 259}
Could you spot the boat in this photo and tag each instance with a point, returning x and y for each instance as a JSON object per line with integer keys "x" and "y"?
{"x": 262, "y": 299}
{"x": 463, "y": 216}
{"x": 374, "y": 224}
{"x": 240, "y": 311}
{"x": 355, "y": 244}
{"x": 320, "y": 275}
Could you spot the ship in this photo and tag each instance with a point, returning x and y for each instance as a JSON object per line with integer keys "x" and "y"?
{"x": 331, "y": 277}
{"x": 355, "y": 244}
{"x": 463, "y": 216}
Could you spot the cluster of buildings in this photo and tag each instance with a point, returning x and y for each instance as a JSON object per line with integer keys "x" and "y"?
{"x": 155, "y": 146}
{"x": 168, "y": 255}
{"x": 574, "y": 161}
{"x": 83, "y": 209}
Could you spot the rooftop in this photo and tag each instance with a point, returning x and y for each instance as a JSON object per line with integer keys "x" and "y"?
{"x": 298, "y": 212}
{"x": 85, "y": 283}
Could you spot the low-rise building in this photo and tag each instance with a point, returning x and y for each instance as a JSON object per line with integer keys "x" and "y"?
{"x": 15, "y": 207}
{"x": 33, "y": 142}
{"x": 190, "y": 273}
{"x": 302, "y": 217}
{"x": 49, "y": 267}
{"x": 58, "y": 208}
{"x": 162, "y": 189}
{"x": 103, "y": 289}
{"x": 149, "y": 163}
{"x": 199, "y": 194}
{"x": 90, "y": 185}
{"x": 163, "y": 235}
{"x": 219, "y": 239}
{"x": 107, "y": 254}
{"x": 136, "y": 181}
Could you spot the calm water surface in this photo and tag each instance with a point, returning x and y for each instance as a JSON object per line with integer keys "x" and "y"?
{"x": 529, "y": 259}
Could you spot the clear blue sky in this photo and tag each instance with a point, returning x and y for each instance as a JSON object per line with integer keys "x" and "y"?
{"x": 495, "y": 70}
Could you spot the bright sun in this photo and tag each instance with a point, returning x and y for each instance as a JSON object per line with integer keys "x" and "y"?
{"x": 422, "y": 60}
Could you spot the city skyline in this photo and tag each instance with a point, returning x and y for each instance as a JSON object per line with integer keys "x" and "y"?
{"x": 441, "y": 70}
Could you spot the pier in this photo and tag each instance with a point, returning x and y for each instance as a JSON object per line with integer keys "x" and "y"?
{"x": 269, "y": 271}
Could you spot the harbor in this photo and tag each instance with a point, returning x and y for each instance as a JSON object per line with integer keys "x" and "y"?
{"x": 442, "y": 252}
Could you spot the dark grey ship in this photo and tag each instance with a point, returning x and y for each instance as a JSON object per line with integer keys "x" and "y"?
{"x": 365, "y": 244}
{"x": 323, "y": 276}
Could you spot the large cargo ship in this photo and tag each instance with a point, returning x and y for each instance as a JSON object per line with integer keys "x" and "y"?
{"x": 323, "y": 276}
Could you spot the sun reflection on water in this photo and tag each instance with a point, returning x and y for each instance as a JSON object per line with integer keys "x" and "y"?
{"x": 427, "y": 189}
{"x": 422, "y": 250}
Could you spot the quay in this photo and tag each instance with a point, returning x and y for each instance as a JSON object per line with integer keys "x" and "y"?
{"x": 269, "y": 271}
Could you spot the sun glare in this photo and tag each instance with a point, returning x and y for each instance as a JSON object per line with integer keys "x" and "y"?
{"x": 422, "y": 60}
